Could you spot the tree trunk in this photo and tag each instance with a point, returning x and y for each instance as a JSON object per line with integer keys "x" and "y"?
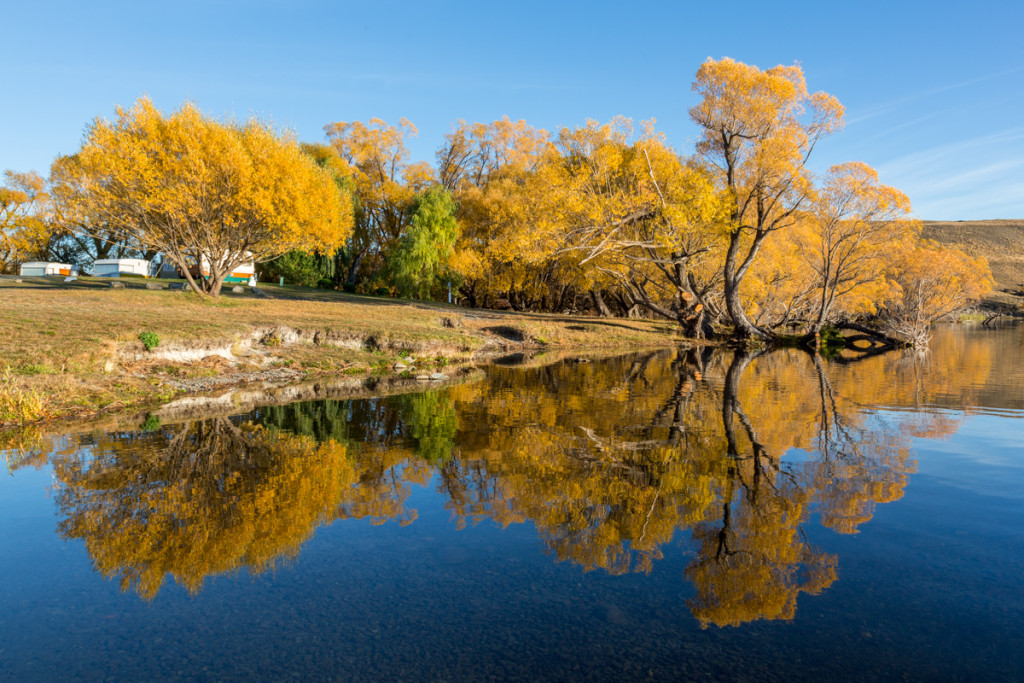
{"x": 353, "y": 269}
{"x": 215, "y": 286}
{"x": 470, "y": 294}
{"x": 513, "y": 300}
{"x": 744, "y": 329}
{"x": 599, "y": 304}
{"x": 695, "y": 322}
{"x": 563, "y": 295}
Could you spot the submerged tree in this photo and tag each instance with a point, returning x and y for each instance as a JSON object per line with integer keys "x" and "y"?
{"x": 208, "y": 195}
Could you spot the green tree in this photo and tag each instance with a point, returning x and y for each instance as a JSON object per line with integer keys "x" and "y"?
{"x": 300, "y": 267}
{"x": 420, "y": 260}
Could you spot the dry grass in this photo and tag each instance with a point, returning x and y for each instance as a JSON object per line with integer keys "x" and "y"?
{"x": 71, "y": 344}
{"x": 19, "y": 404}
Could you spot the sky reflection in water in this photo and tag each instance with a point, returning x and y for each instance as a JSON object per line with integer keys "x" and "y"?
{"x": 606, "y": 519}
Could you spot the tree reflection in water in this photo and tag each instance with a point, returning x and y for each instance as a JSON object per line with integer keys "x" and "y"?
{"x": 607, "y": 460}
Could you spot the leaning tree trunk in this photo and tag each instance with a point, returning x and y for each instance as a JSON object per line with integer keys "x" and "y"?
{"x": 215, "y": 284}
{"x": 733, "y": 276}
{"x": 599, "y": 304}
{"x": 353, "y": 270}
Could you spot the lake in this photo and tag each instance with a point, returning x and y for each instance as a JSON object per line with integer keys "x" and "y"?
{"x": 667, "y": 515}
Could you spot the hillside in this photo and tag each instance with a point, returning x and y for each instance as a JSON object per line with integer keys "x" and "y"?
{"x": 1000, "y": 241}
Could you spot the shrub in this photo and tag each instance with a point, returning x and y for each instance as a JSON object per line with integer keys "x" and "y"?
{"x": 831, "y": 338}
{"x": 299, "y": 267}
{"x": 151, "y": 424}
{"x": 149, "y": 339}
{"x": 18, "y": 405}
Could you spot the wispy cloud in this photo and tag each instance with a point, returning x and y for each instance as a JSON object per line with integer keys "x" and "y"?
{"x": 924, "y": 160}
{"x": 977, "y": 177}
{"x": 893, "y": 105}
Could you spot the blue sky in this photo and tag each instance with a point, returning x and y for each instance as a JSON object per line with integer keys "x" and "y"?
{"x": 934, "y": 92}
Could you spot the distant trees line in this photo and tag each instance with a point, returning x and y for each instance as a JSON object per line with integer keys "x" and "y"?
{"x": 736, "y": 237}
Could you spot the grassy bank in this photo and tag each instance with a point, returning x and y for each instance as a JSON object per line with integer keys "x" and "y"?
{"x": 74, "y": 349}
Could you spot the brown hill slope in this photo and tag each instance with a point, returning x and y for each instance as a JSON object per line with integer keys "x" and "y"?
{"x": 1000, "y": 241}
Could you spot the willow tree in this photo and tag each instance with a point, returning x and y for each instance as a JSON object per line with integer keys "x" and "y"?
{"x": 857, "y": 224}
{"x": 209, "y": 195}
{"x": 759, "y": 129}
{"x": 374, "y": 156}
{"x": 421, "y": 259}
{"x": 641, "y": 216}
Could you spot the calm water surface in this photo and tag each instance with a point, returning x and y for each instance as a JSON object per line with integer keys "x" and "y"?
{"x": 665, "y": 516}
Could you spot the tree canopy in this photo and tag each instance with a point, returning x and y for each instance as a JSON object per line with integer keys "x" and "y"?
{"x": 206, "y": 194}
{"x": 24, "y": 203}
{"x": 735, "y": 236}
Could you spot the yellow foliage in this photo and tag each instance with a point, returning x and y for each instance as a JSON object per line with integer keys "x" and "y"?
{"x": 215, "y": 498}
{"x": 24, "y": 229}
{"x": 490, "y": 171}
{"x": 375, "y": 157}
{"x": 196, "y": 189}
{"x": 933, "y": 281}
{"x": 759, "y": 127}
{"x": 698, "y": 445}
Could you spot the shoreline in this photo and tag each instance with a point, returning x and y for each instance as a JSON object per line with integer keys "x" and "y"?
{"x": 73, "y": 353}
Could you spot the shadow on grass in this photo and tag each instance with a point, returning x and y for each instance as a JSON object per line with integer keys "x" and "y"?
{"x": 295, "y": 293}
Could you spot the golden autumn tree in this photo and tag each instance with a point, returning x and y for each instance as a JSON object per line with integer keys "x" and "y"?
{"x": 23, "y": 226}
{"x": 758, "y": 131}
{"x": 832, "y": 264}
{"x": 488, "y": 169}
{"x": 933, "y": 281}
{"x": 856, "y": 225}
{"x": 639, "y": 216}
{"x": 385, "y": 183}
{"x": 207, "y": 194}
{"x": 87, "y": 237}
